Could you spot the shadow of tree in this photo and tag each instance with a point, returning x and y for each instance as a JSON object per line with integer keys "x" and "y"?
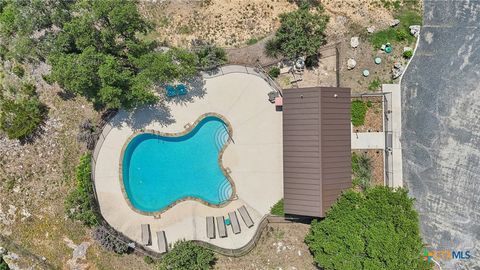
{"x": 196, "y": 89}
{"x": 143, "y": 116}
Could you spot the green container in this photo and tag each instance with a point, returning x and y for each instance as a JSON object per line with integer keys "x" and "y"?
{"x": 388, "y": 49}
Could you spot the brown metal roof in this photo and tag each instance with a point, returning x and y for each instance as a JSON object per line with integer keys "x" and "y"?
{"x": 316, "y": 148}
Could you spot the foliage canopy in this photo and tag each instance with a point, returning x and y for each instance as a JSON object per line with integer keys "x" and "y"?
{"x": 386, "y": 232}
{"x": 359, "y": 110}
{"x": 187, "y": 255}
{"x": 21, "y": 112}
{"x": 301, "y": 33}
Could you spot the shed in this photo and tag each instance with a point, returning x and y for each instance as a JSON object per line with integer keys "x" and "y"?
{"x": 316, "y": 148}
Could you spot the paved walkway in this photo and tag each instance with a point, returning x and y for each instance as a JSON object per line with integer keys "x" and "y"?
{"x": 368, "y": 140}
{"x": 393, "y": 159}
{"x": 255, "y": 159}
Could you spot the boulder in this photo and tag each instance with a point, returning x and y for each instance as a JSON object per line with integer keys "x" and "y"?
{"x": 397, "y": 70}
{"x": 351, "y": 63}
{"x": 354, "y": 42}
{"x": 394, "y": 22}
{"x": 405, "y": 49}
{"x": 3, "y": 251}
{"x": 371, "y": 29}
{"x": 415, "y": 30}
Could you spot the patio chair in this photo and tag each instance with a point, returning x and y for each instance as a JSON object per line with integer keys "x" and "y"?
{"x": 162, "y": 242}
{"x": 171, "y": 91}
{"x": 245, "y": 216}
{"x": 210, "y": 227}
{"x": 181, "y": 89}
{"x": 234, "y": 222}
{"x": 222, "y": 229}
{"x": 146, "y": 235}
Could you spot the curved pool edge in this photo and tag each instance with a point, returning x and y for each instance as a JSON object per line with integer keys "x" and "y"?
{"x": 188, "y": 128}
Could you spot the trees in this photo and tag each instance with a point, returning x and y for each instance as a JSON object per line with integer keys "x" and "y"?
{"x": 375, "y": 229}
{"x": 93, "y": 47}
{"x": 187, "y": 255}
{"x": 21, "y": 112}
{"x": 301, "y": 33}
{"x": 209, "y": 56}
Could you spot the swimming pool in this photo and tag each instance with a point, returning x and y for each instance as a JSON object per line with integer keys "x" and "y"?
{"x": 159, "y": 170}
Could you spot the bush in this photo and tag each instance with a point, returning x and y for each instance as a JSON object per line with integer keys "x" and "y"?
{"x": 18, "y": 70}
{"x": 187, "y": 255}
{"x": 21, "y": 112}
{"x": 311, "y": 61}
{"x": 301, "y": 33}
{"x": 209, "y": 56}
{"x": 278, "y": 209}
{"x": 3, "y": 264}
{"x": 401, "y": 34}
{"x": 408, "y": 54}
{"x": 274, "y": 72}
{"x": 252, "y": 41}
{"x": 359, "y": 110}
{"x": 362, "y": 170}
{"x": 375, "y": 229}
{"x": 109, "y": 242}
{"x": 375, "y": 85}
{"x": 78, "y": 204}
{"x": 148, "y": 260}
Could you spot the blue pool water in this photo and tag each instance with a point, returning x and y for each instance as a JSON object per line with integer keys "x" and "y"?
{"x": 158, "y": 170}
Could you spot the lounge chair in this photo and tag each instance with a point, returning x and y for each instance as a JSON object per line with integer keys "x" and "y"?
{"x": 222, "y": 229}
{"x": 146, "y": 235}
{"x": 210, "y": 227}
{"x": 181, "y": 89}
{"x": 162, "y": 242}
{"x": 171, "y": 91}
{"x": 245, "y": 216}
{"x": 234, "y": 222}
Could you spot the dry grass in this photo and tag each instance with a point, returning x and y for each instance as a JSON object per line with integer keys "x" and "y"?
{"x": 225, "y": 23}
{"x": 281, "y": 246}
{"x": 376, "y": 156}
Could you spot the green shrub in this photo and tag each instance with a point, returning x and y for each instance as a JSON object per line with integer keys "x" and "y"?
{"x": 359, "y": 110}
{"x": 21, "y": 112}
{"x": 277, "y": 209}
{"x": 374, "y": 229}
{"x": 18, "y": 70}
{"x": 311, "y": 61}
{"x": 375, "y": 85}
{"x": 369, "y": 104}
{"x": 78, "y": 204}
{"x": 274, "y": 72}
{"x": 3, "y": 264}
{"x": 401, "y": 34}
{"x": 301, "y": 33}
{"x": 408, "y": 54}
{"x": 209, "y": 56}
{"x": 361, "y": 170}
{"x": 252, "y": 41}
{"x": 187, "y": 255}
{"x": 148, "y": 260}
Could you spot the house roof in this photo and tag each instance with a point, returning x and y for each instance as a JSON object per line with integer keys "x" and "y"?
{"x": 316, "y": 148}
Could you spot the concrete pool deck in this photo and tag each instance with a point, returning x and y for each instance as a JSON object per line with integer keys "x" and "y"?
{"x": 254, "y": 158}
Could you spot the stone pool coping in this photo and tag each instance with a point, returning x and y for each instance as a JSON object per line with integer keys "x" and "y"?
{"x": 189, "y": 128}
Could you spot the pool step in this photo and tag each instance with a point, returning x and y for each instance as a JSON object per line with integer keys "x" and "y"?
{"x": 224, "y": 190}
{"x": 221, "y": 137}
